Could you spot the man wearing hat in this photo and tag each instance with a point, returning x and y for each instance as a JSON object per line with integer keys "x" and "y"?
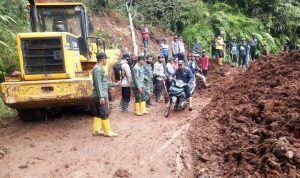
{"x": 220, "y": 47}
{"x": 126, "y": 80}
{"x": 233, "y": 51}
{"x": 139, "y": 88}
{"x": 185, "y": 74}
{"x": 101, "y": 85}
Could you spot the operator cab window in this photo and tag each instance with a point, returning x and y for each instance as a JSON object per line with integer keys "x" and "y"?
{"x": 60, "y": 19}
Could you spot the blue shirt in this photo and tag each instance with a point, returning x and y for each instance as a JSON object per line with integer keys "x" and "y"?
{"x": 253, "y": 42}
{"x": 243, "y": 49}
{"x": 233, "y": 48}
{"x": 185, "y": 75}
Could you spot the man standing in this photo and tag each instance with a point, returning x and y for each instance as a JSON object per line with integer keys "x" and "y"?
{"x": 145, "y": 36}
{"x": 233, "y": 51}
{"x": 138, "y": 87}
{"x": 253, "y": 44}
{"x": 204, "y": 64}
{"x": 164, "y": 49}
{"x": 175, "y": 47}
{"x": 185, "y": 74}
{"x": 220, "y": 48}
{"x": 169, "y": 73}
{"x": 243, "y": 53}
{"x": 100, "y": 97}
{"x": 214, "y": 52}
{"x": 148, "y": 80}
{"x": 181, "y": 53}
{"x": 197, "y": 47}
{"x": 126, "y": 80}
{"x": 158, "y": 73}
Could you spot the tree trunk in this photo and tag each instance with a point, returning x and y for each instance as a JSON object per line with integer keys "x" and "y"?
{"x": 133, "y": 37}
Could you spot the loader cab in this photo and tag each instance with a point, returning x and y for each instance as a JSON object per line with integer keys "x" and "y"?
{"x": 63, "y": 17}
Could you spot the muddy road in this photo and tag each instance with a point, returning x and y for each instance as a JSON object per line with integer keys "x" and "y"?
{"x": 63, "y": 146}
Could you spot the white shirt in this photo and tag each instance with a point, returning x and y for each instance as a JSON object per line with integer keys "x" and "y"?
{"x": 181, "y": 47}
{"x": 126, "y": 81}
{"x": 158, "y": 69}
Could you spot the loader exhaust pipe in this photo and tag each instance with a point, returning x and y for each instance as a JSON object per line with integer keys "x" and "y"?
{"x": 33, "y": 11}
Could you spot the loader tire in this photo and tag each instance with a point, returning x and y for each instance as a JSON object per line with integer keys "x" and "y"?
{"x": 29, "y": 115}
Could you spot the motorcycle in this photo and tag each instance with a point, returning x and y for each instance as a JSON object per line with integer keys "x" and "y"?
{"x": 177, "y": 98}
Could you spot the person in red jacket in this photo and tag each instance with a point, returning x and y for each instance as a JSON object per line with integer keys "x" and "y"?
{"x": 145, "y": 35}
{"x": 204, "y": 63}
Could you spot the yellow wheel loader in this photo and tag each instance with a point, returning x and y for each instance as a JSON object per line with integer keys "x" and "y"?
{"x": 56, "y": 59}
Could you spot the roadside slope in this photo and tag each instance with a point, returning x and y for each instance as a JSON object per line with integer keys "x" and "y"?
{"x": 252, "y": 126}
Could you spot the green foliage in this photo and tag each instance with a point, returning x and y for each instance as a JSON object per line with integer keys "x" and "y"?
{"x": 6, "y": 112}
{"x": 280, "y": 17}
{"x": 205, "y": 21}
{"x": 110, "y": 42}
{"x": 12, "y": 21}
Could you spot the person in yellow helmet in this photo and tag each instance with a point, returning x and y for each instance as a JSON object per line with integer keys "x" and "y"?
{"x": 220, "y": 45}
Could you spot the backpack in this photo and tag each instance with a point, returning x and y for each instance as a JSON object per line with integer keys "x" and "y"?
{"x": 118, "y": 71}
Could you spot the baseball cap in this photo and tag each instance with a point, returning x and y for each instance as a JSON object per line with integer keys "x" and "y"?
{"x": 181, "y": 62}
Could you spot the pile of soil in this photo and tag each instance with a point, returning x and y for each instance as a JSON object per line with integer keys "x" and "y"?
{"x": 252, "y": 125}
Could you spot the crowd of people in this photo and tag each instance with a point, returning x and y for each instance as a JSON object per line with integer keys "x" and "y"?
{"x": 146, "y": 76}
{"x": 240, "y": 53}
{"x": 149, "y": 75}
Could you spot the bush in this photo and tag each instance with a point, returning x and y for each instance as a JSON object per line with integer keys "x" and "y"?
{"x": 6, "y": 112}
{"x": 205, "y": 22}
{"x": 12, "y": 21}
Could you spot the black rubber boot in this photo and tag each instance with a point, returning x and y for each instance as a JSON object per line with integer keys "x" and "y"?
{"x": 149, "y": 102}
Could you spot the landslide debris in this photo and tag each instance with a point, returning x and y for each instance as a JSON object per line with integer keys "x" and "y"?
{"x": 252, "y": 126}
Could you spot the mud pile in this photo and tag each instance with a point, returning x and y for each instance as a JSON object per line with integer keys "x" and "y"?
{"x": 252, "y": 125}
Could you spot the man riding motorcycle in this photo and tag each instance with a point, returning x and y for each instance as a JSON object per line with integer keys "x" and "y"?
{"x": 185, "y": 74}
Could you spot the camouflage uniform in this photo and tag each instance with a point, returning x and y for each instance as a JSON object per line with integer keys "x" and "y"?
{"x": 148, "y": 83}
{"x": 100, "y": 90}
{"x": 138, "y": 82}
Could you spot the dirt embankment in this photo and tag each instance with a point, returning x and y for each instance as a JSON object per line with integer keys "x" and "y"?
{"x": 117, "y": 26}
{"x": 252, "y": 126}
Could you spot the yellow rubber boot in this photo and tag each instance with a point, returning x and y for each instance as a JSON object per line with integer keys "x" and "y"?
{"x": 137, "y": 109}
{"x": 97, "y": 129}
{"x": 107, "y": 129}
{"x": 220, "y": 61}
{"x": 143, "y": 107}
